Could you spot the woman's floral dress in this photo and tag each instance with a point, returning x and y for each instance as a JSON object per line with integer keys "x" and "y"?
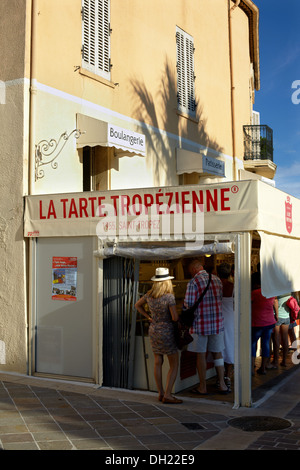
{"x": 161, "y": 329}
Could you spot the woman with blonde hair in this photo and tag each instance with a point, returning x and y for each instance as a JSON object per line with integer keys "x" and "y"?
{"x": 162, "y": 306}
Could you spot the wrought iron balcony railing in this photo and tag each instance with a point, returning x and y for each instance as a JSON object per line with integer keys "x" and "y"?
{"x": 258, "y": 143}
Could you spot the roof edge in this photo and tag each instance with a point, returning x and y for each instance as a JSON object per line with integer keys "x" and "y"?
{"x": 252, "y": 12}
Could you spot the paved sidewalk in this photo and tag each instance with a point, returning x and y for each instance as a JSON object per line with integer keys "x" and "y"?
{"x": 42, "y": 414}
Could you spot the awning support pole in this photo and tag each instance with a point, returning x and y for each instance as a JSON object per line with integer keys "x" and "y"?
{"x": 242, "y": 293}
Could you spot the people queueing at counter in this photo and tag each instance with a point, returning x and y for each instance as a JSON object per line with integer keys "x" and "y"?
{"x": 207, "y": 335}
{"x": 213, "y": 326}
{"x": 272, "y": 323}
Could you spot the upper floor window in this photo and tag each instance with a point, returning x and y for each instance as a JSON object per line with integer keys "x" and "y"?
{"x": 96, "y": 37}
{"x": 185, "y": 72}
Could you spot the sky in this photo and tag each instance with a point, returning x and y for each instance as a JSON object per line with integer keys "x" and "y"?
{"x": 278, "y": 99}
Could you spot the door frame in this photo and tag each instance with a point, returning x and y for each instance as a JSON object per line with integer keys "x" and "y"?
{"x": 97, "y": 302}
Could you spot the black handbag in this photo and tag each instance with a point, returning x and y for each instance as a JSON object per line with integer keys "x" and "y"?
{"x": 188, "y": 314}
{"x": 182, "y": 334}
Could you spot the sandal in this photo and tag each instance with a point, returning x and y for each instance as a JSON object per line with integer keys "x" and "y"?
{"x": 172, "y": 400}
{"x": 224, "y": 392}
{"x": 227, "y": 383}
{"x": 197, "y": 392}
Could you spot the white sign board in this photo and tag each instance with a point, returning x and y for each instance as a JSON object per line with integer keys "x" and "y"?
{"x": 125, "y": 138}
{"x": 213, "y": 166}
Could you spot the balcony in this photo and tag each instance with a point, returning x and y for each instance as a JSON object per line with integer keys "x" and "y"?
{"x": 258, "y": 150}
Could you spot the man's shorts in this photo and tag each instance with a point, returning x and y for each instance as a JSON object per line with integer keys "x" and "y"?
{"x": 203, "y": 343}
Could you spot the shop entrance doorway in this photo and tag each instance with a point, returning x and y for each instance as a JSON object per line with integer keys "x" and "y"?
{"x": 128, "y": 360}
{"x": 120, "y": 283}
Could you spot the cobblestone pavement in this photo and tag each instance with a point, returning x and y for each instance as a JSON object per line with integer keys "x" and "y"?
{"x": 40, "y": 414}
{"x": 285, "y": 439}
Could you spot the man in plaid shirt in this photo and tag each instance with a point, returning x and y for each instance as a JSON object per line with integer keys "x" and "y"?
{"x": 208, "y": 326}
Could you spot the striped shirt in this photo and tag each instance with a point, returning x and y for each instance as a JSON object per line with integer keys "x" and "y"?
{"x": 208, "y": 316}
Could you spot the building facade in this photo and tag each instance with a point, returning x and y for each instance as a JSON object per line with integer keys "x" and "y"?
{"x": 108, "y": 95}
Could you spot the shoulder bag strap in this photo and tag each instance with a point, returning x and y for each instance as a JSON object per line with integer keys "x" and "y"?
{"x": 203, "y": 293}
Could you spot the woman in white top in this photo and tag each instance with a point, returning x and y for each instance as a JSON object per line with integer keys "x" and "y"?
{"x": 281, "y": 331}
{"x": 224, "y": 271}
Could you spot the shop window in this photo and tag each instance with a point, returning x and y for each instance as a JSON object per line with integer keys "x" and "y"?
{"x": 96, "y": 37}
{"x": 95, "y": 161}
{"x": 185, "y": 73}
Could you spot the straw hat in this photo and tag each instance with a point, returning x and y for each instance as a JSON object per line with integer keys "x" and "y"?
{"x": 161, "y": 274}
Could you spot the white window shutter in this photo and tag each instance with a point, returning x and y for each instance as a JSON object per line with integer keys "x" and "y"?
{"x": 255, "y": 143}
{"x": 180, "y": 71}
{"x": 255, "y": 119}
{"x": 96, "y": 37}
{"x": 185, "y": 72}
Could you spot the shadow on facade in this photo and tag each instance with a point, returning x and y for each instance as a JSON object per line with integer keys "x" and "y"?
{"x": 160, "y": 112}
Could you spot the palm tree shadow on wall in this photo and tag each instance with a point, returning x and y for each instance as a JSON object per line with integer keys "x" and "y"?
{"x": 146, "y": 109}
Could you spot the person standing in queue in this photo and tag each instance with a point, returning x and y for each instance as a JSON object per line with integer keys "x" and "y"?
{"x": 162, "y": 305}
{"x": 208, "y": 326}
{"x": 281, "y": 332}
{"x": 224, "y": 271}
{"x": 264, "y": 315}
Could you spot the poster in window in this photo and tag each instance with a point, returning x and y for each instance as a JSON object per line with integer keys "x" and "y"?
{"x": 64, "y": 278}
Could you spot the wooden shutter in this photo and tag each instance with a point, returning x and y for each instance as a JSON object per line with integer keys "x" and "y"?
{"x": 96, "y": 37}
{"x": 185, "y": 72}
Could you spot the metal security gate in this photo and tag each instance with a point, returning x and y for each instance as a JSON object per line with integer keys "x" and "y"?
{"x": 120, "y": 285}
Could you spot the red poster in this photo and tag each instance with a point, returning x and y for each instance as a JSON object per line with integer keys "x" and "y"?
{"x": 64, "y": 278}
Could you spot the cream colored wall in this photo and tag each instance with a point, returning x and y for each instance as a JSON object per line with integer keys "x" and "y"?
{"x": 13, "y": 158}
{"x": 143, "y": 53}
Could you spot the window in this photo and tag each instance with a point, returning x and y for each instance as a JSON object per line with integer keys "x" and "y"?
{"x": 96, "y": 37}
{"x": 185, "y": 72}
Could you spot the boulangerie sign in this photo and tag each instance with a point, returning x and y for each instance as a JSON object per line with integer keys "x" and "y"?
{"x": 123, "y": 137}
{"x": 96, "y": 132}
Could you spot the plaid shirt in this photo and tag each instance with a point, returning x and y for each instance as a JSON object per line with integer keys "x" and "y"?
{"x": 208, "y": 316}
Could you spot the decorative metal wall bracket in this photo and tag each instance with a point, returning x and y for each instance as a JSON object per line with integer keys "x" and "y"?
{"x": 46, "y": 152}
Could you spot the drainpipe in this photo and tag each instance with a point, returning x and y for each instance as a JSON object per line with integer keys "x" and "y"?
{"x": 232, "y": 86}
{"x": 30, "y": 248}
{"x": 33, "y": 92}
